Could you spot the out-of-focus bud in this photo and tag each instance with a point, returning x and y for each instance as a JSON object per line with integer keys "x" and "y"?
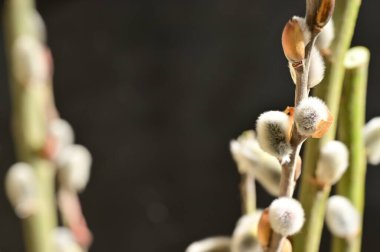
{"x": 287, "y": 247}
{"x": 295, "y": 36}
{"x": 244, "y": 238}
{"x": 21, "y": 189}
{"x": 30, "y": 59}
{"x": 342, "y": 218}
{"x": 251, "y": 159}
{"x": 372, "y": 140}
{"x": 317, "y": 68}
{"x": 318, "y": 13}
{"x": 37, "y": 25}
{"x": 264, "y": 230}
{"x": 326, "y": 36}
{"x": 286, "y": 216}
{"x": 212, "y": 244}
{"x": 62, "y": 133}
{"x": 63, "y": 241}
{"x": 273, "y": 133}
{"x": 332, "y": 163}
{"x": 74, "y": 163}
{"x": 312, "y": 117}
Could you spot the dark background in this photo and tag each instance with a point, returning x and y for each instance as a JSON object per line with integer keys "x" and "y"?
{"x": 156, "y": 90}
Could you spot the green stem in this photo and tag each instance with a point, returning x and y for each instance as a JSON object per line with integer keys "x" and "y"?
{"x": 29, "y": 128}
{"x": 248, "y": 193}
{"x": 312, "y": 198}
{"x": 351, "y": 123}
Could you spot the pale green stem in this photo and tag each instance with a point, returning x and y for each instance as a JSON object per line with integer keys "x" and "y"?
{"x": 248, "y": 193}
{"x": 312, "y": 198}
{"x": 351, "y": 123}
{"x": 29, "y": 128}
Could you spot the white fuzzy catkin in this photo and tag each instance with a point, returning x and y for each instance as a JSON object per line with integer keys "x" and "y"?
{"x": 308, "y": 114}
{"x": 31, "y": 65}
{"x": 251, "y": 159}
{"x": 372, "y": 140}
{"x": 286, "y": 216}
{"x": 332, "y": 163}
{"x": 342, "y": 219}
{"x": 21, "y": 189}
{"x": 272, "y": 133}
{"x": 63, "y": 133}
{"x": 326, "y": 36}
{"x": 64, "y": 241}
{"x": 218, "y": 243}
{"x": 244, "y": 237}
{"x": 317, "y": 68}
{"x": 74, "y": 163}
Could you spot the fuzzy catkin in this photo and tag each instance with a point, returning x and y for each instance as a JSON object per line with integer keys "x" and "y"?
{"x": 251, "y": 159}
{"x": 244, "y": 238}
{"x": 217, "y": 243}
{"x": 342, "y": 218}
{"x": 273, "y": 129}
{"x": 332, "y": 163}
{"x": 308, "y": 114}
{"x": 21, "y": 189}
{"x": 286, "y": 216}
{"x": 372, "y": 140}
{"x": 326, "y": 36}
{"x": 74, "y": 163}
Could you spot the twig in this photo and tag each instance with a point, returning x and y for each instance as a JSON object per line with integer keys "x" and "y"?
{"x": 29, "y": 131}
{"x": 288, "y": 182}
{"x": 312, "y": 198}
{"x": 351, "y": 123}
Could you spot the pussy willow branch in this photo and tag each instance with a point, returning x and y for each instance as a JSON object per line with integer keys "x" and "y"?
{"x": 312, "y": 197}
{"x": 288, "y": 179}
{"x": 351, "y": 123}
{"x": 28, "y": 128}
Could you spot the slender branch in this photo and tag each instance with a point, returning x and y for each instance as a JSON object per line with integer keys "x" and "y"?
{"x": 312, "y": 198}
{"x": 288, "y": 180}
{"x": 29, "y": 128}
{"x": 351, "y": 123}
{"x": 248, "y": 193}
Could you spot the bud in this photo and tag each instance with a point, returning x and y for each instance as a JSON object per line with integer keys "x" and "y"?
{"x": 30, "y": 61}
{"x": 318, "y": 13}
{"x": 295, "y": 36}
{"x": 372, "y": 140}
{"x": 317, "y": 68}
{"x": 286, "y": 216}
{"x": 332, "y": 163}
{"x": 273, "y": 133}
{"x": 287, "y": 247}
{"x": 342, "y": 218}
{"x": 64, "y": 241}
{"x": 62, "y": 133}
{"x": 74, "y": 163}
{"x": 311, "y": 117}
{"x": 326, "y": 36}
{"x": 21, "y": 189}
{"x": 244, "y": 238}
{"x": 251, "y": 159}
{"x": 217, "y": 244}
{"x": 264, "y": 230}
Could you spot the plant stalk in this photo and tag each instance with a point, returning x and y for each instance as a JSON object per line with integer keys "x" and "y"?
{"x": 29, "y": 127}
{"x": 312, "y": 197}
{"x": 351, "y": 123}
